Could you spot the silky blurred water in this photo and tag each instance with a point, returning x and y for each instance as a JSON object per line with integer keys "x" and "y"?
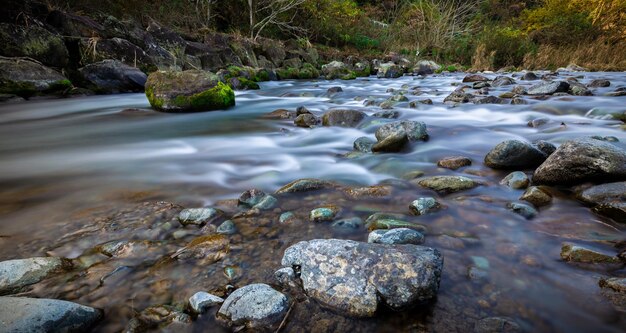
{"x": 61, "y": 156}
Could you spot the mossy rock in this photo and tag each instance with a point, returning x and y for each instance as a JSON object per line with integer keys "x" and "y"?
{"x": 288, "y": 73}
{"x": 338, "y": 70}
{"x": 241, "y": 83}
{"x": 34, "y": 42}
{"x": 308, "y": 71}
{"x": 188, "y": 91}
{"x": 27, "y": 78}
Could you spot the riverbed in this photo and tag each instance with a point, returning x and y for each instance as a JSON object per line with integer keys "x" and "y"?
{"x": 70, "y": 168}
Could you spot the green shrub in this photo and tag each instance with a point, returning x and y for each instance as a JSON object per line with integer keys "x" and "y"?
{"x": 508, "y": 45}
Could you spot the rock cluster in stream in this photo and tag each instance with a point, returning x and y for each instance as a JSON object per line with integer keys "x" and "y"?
{"x": 387, "y": 268}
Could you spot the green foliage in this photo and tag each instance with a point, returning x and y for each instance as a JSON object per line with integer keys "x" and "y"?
{"x": 558, "y": 22}
{"x": 308, "y": 72}
{"x": 508, "y": 45}
{"x": 287, "y": 73}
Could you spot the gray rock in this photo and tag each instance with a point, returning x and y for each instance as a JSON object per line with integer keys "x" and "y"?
{"x": 286, "y": 217}
{"x": 343, "y": 117}
{"x": 352, "y": 223}
{"x": 497, "y": 325}
{"x": 21, "y": 314}
{"x": 285, "y": 276}
{"x": 391, "y": 144}
{"x": 475, "y": 78}
{"x": 599, "y": 83}
{"x": 424, "y": 67}
{"x": 389, "y": 71}
{"x": 502, "y": 81}
{"x": 268, "y": 202}
{"x": 201, "y": 301}
{"x": 447, "y": 184}
{"x": 616, "y": 284}
{"x": 34, "y": 42}
{"x": 251, "y": 197}
{"x": 518, "y": 101}
{"x": 324, "y": 214}
{"x": 256, "y": 306}
{"x": 198, "y": 216}
{"x": 516, "y": 180}
{"x": 414, "y": 130}
{"x": 581, "y": 160}
{"x": 227, "y": 228}
{"x": 530, "y": 76}
{"x": 354, "y": 277}
{"x": 536, "y": 196}
{"x": 548, "y": 88}
{"x": 481, "y": 85}
{"x": 25, "y": 78}
{"x": 305, "y": 185}
{"x": 364, "y": 144}
{"x": 302, "y": 110}
{"x": 334, "y": 90}
{"x": 459, "y": 96}
{"x": 489, "y": 100}
{"x": 605, "y": 193}
{"x": 523, "y": 209}
{"x": 454, "y": 162}
{"x": 305, "y": 120}
{"x": 579, "y": 254}
{"x": 423, "y": 206}
{"x": 513, "y": 154}
{"x": 112, "y": 76}
{"x": 19, "y": 273}
{"x": 396, "y": 236}
{"x": 546, "y": 147}
{"x": 387, "y": 114}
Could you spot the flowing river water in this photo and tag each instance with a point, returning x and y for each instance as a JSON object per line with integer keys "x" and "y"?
{"x": 72, "y": 169}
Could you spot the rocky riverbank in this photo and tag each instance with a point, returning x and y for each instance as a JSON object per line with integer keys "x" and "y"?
{"x": 322, "y": 249}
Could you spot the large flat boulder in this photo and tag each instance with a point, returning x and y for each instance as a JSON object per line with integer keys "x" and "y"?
{"x": 355, "y": 277}
{"x": 25, "y": 77}
{"x": 19, "y": 273}
{"x": 113, "y": 76}
{"x": 582, "y": 160}
{"x": 34, "y": 315}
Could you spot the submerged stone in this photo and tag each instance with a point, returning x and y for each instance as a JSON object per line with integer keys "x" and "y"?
{"x": 396, "y": 236}
{"x": 198, "y": 216}
{"x": 447, "y": 184}
{"x": 579, "y": 254}
{"x": 423, "y": 206}
{"x": 516, "y": 180}
{"x": 522, "y": 209}
{"x": 537, "y": 196}
{"x": 324, "y": 214}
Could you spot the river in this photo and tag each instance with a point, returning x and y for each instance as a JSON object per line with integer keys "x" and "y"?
{"x": 65, "y": 163}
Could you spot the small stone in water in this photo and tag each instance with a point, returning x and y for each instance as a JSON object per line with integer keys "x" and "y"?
{"x": 396, "y": 236}
{"x": 197, "y": 216}
{"x": 364, "y": 144}
{"x": 286, "y": 217}
{"x": 536, "y": 196}
{"x": 523, "y": 209}
{"x": 268, "y": 202}
{"x": 480, "y": 262}
{"x": 574, "y": 253}
{"x": 497, "y": 324}
{"x": 516, "y": 180}
{"x": 232, "y": 272}
{"x": 616, "y": 284}
{"x": 454, "y": 162}
{"x": 227, "y": 228}
{"x": 475, "y": 273}
{"x": 392, "y": 224}
{"x": 285, "y": 275}
{"x": 324, "y": 214}
{"x": 251, "y": 197}
{"x": 201, "y": 301}
{"x": 423, "y": 206}
{"x": 350, "y": 223}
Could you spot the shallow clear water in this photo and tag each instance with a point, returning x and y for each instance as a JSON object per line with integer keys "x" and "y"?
{"x": 65, "y": 163}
